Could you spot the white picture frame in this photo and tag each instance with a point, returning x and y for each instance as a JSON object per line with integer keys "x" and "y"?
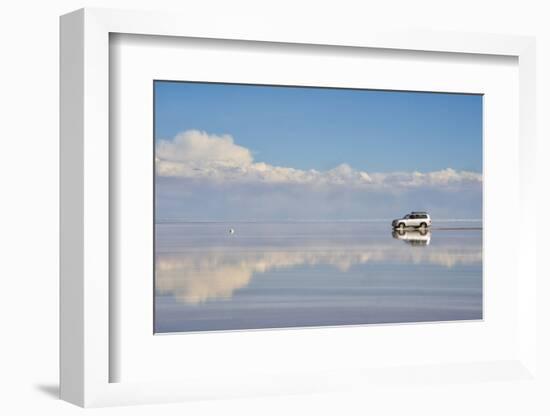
{"x": 86, "y": 265}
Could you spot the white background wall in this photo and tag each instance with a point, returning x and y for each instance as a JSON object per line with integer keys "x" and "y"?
{"x": 29, "y": 206}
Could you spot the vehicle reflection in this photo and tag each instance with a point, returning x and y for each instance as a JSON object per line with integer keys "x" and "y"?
{"x": 419, "y": 237}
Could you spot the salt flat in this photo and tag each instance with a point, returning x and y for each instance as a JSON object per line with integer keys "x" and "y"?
{"x": 287, "y": 274}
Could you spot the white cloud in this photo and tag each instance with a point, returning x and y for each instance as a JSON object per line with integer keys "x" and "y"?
{"x": 195, "y": 149}
{"x": 198, "y": 155}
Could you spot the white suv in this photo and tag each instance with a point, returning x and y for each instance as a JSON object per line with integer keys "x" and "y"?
{"x": 414, "y": 219}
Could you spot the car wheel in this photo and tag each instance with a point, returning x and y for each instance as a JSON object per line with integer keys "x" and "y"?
{"x": 401, "y": 226}
{"x": 423, "y": 225}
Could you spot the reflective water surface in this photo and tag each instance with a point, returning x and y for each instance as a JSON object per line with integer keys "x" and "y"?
{"x": 275, "y": 275}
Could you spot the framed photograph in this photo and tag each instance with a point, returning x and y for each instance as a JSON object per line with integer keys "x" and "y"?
{"x": 271, "y": 206}
{"x": 270, "y": 212}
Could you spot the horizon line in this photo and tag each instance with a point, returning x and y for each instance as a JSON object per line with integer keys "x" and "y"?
{"x": 183, "y": 220}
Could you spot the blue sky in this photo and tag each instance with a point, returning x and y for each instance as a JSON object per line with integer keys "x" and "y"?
{"x": 241, "y": 152}
{"x": 380, "y": 131}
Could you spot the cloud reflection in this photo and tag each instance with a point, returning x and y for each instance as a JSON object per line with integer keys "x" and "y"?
{"x": 195, "y": 277}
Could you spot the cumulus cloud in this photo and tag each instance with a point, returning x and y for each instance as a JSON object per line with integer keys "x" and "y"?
{"x": 197, "y": 147}
{"x": 198, "y": 155}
